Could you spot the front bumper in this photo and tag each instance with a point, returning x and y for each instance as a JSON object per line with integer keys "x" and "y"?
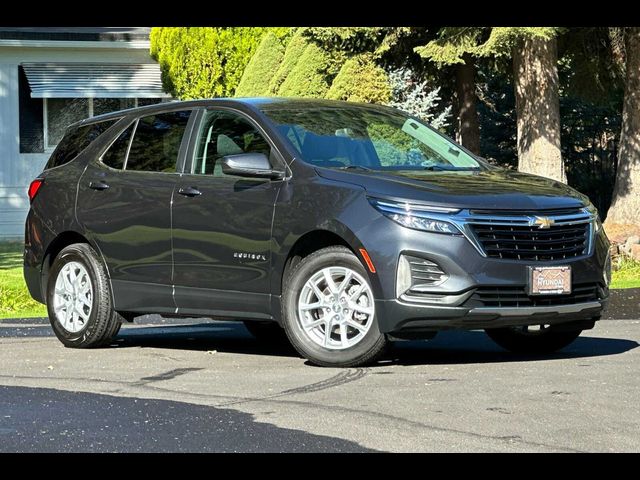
{"x": 403, "y": 317}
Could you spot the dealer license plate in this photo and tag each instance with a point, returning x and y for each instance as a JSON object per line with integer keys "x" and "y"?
{"x": 549, "y": 280}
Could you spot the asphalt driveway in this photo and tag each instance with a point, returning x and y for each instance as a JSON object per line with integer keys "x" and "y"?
{"x": 167, "y": 385}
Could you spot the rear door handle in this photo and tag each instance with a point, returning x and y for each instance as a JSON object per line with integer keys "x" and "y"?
{"x": 189, "y": 191}
{"x": 99, "y": 185}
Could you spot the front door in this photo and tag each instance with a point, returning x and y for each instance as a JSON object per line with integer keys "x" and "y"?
{"x": 124, "y": 202}
{"x": 222, "y": 224}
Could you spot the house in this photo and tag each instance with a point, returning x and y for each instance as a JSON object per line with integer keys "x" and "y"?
{"x": 51, "y": 77}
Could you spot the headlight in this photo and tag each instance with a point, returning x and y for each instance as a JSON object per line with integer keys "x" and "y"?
{"x": 418, "y": 217}
{"x": 597, "y": 223}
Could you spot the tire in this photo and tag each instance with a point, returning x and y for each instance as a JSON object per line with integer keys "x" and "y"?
{"x": 101, "y": 323}
{"x": 345, "y": 345}
{"x": 267, "y": 332}
{"x": 522, "y": 340}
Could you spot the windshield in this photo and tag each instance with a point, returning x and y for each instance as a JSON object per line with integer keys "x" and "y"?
{"x": 368, "y": 139}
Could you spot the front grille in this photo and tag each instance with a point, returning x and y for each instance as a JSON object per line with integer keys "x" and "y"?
{"x": 548, "y": 212}
{"x": 517, "y": 297}
{"x": 523, "y": 242}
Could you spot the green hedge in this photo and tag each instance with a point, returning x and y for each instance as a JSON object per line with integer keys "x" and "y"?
{"x": 361, "y": 80}
{"x": 262, "y": 67}
{"x": 295, "y": 48}
{"x": 203, "y": 62}
{"x": 310, "y": 77}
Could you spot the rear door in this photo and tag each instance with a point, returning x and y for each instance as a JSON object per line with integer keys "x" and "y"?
{"x": 222, "y": 223}
{"x": 124, "y": 203}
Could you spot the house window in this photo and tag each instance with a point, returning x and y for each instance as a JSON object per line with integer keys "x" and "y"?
{"x": 43, "y": 121}
{"x": 62, "y": 112}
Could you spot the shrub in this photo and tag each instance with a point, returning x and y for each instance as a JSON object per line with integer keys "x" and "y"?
{"x": 361, "y": 80}
{"x": 201, "y": 62}
{"x": 295, "y": 48}
{"x": 261, "y": 68}
{"x": 311, "y": 75}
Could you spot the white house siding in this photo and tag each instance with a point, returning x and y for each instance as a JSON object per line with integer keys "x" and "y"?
{"x": 16, "y": 169}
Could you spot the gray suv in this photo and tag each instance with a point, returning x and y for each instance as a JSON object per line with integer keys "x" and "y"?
{"x": 343, "y": 225}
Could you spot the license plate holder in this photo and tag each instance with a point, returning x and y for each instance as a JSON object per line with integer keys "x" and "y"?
{"x": 549, "y": 280}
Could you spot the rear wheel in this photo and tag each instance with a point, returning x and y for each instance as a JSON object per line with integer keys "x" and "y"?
{"x": 532, "y": 338}
{"x": 329, "y": 310}
{"x": 79, "y": 299}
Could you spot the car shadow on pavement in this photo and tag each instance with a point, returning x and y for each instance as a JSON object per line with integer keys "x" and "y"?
{"x": 231, "y": 337}
{"x": 462, "y": 347}
{"x": 450, "y": 347}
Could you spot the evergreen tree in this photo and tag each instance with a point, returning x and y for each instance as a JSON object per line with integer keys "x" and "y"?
{"x": 625, "y": 207}
{"x": 261, "y": 68}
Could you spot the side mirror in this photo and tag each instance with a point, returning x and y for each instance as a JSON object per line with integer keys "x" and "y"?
{"x": 254, "y": 165}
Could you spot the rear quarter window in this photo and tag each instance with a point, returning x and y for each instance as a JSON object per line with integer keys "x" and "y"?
{"x": 75, "y": 141}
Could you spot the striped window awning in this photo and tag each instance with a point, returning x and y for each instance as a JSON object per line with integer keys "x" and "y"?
{"x": 94, "y": 80}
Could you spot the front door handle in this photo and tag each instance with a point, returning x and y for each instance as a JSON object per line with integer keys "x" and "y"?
{"x": 189, "y": 191}
{"x": 99, "y": 185}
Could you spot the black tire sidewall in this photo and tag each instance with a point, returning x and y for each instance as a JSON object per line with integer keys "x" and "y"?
{"x": 359, "y": 353}
{"x": 74, "y": 253}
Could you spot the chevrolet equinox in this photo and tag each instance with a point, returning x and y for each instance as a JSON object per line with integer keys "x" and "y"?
{"x": 343, "y": 225}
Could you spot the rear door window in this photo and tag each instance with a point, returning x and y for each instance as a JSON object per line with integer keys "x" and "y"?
{"x": 156, "y": 142}
{"x": 75, "y": 141}
{"x": 115, "y": 156}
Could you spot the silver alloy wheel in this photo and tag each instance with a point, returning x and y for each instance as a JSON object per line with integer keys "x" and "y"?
{"x": 336, "y": 308}
{"x": 73, "y": 297}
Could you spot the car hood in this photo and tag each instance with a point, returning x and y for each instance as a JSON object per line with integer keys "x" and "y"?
{"x": 491, "y": 189}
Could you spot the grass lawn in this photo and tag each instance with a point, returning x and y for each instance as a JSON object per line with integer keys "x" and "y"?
{"x": 627, "y": 275}
{"x": 15, "y": 301}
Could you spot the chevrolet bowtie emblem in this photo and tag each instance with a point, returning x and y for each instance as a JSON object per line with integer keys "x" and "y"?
{"x": 544, "y": 222}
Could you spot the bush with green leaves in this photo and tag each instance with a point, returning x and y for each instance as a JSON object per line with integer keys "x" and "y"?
{"x": 202, "y": 62}
{"x": 311, "y": 75}
{"x": 295, "y": 48}
{"x": 262, "y": 67}
{"x": 361, "y": 80}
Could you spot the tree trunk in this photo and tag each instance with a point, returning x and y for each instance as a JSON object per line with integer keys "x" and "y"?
{"x": 468, "y": 125}
{"x": 625, "y": 206}
{"x": 535, "y": 69}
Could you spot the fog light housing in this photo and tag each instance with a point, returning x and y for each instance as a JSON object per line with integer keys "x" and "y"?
{"x": 417, "y": 275}
{"x": 403, "y": 282}
{"x": 606, "y": 274}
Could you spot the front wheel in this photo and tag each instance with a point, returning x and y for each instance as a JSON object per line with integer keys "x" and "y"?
{"x": 532, "y": 339}
{"x": 329, "y": 310}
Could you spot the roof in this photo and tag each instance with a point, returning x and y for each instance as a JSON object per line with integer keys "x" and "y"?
{"x": 107, "y": 34}
{"x": 255, "y": 103}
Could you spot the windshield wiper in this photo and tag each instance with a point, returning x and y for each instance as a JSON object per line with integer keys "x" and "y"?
{"x": 450, "y": 168}
{"x": 356, "y": 167}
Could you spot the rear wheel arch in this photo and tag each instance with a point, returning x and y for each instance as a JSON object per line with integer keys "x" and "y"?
{"x": 59, "y": 243}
